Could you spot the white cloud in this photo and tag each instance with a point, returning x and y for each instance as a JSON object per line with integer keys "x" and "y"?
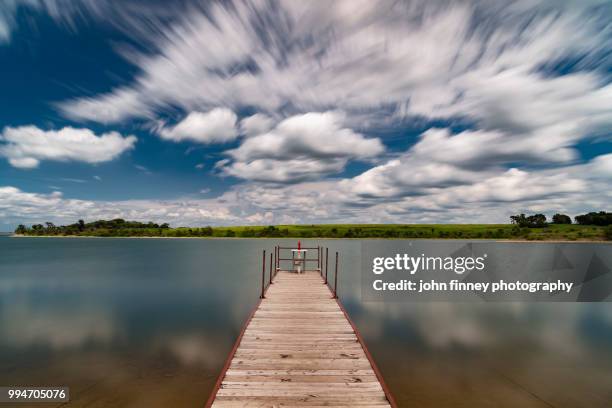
{"x": 492, "y": 197}
{"x": 408, "y": 176}
{"x": 479, "y": 149}
{"x": 16, "y": 204}
{"x": 471, "y": 164}
{"x": 284, "y": 171}
{"x": 495, "y": 66}
{"x": 26, "y": 146}
{"x": 216, "y": 126}
{"x": 142, "y": 168}
{"x": 109, "y": 108}
{"x": 601, "y": 166}
{"x": 310, "y": 134}
{"x": 5, "y": 32}
{"x": 62, "y": 11}
{"x": 8, "y": 10}
{"x": 256, "y": 124}
{"x": 516, "y": 185}
{"x": 301, "y": 147}
{"x": 314, "y": 56}
{"x": 24, "y": 162}
{"x": 485, "y": 62}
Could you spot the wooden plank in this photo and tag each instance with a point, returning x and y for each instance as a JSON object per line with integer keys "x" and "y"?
{"x": 306, "y": 378}
{"x": 309, "y": 400}
{"x": 299, "y": 349}
{"x": 297, "y": 372}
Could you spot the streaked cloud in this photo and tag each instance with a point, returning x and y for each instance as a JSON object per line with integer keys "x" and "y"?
{"x": 424, "y": 56}
{"x": 505, "y": 97}
{"x": 216, "y": 126}
{"x": 256, "y": 124}
{"x": 301, "y": 147}
{"x": 491, "y": 198}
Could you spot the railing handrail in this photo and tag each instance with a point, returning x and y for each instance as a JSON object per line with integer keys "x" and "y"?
{"x": 300, "y": 259}
{"x": 275, "y": 258}
{"x": 303, "y": 261}
{"x": 296, "y": 248}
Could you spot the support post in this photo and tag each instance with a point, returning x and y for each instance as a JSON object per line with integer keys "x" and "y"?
{"x": 270, "y": 268}
{"x": 275, "y": 258}
{"x": 263, "y": 275}
{"x": 321, "y": 263}
{"x": 336, "y": 279}
{"x": 326, "y": 263}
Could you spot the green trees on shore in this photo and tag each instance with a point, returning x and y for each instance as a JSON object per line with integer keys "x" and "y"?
{"x": 529, "y": 227}
{"x": 531, "y": 221}
{"x": 601, "y": 218}
{"x": 561, "y": 219}
{"x": 115, "y": 227}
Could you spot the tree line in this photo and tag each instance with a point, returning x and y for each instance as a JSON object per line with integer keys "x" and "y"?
{"x": 591, "y": 226}
{"x": 83, "y": 228}
{"x": 602, "y": 219}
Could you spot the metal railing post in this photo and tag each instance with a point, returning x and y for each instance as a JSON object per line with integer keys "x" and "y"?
{"x": 263, "y": 274}
{"x": 275, "y": 260}
{"x": 326, "y": 263}
{"x": 270, "y": 268}
{"x": 336, "y": 279}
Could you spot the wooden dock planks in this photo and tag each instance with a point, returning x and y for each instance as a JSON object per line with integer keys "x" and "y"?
{"x": 299, "y": 349}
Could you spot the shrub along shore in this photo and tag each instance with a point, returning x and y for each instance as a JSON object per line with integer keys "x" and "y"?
{"x": 522, "y": 228}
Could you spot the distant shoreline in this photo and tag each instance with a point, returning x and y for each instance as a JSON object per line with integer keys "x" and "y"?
{"x": 120, "y": 228}
{"x": 518, "y": 241}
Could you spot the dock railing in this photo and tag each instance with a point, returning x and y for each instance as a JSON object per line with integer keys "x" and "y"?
{"x": 279, "y": 258}
{"x": 283, "y": 256}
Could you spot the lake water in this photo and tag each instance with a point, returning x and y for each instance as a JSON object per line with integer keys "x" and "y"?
{"x": 149, "y": 323}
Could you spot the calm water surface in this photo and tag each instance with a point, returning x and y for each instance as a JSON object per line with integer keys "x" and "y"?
{"x": 149, "y": 323}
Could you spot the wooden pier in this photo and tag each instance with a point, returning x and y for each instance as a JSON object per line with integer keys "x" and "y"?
{"x": 299, "y": 348}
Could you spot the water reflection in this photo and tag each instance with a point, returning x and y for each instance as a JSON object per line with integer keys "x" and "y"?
{"x": 148, "y": 323}
{"x": 488, "y": 354}
{"x": 126, "y": 323}
{"x": 438, "y": 354}
{"x": 25, "y": 324}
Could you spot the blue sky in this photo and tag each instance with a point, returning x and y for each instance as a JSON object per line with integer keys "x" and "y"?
{"x": 216, "y": 113}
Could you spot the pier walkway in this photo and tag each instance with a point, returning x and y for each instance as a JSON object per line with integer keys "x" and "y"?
{"x": 299, "y": 348}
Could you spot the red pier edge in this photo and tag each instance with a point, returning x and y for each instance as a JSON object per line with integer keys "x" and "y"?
{"x": 381, "y": 379}
{"x": 230, "y": 357}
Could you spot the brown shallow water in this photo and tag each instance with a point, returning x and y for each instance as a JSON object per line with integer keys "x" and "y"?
{"x": 149, "y": 323}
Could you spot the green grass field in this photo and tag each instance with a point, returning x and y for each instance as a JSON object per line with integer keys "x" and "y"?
{"x": 452, "y": 231}
{"x": 552, "y": 232}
